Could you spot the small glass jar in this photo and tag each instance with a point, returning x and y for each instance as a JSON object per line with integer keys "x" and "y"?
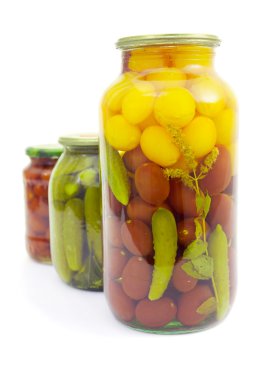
{"x": 75, "y": 214}
{"x": 168, "y": 147}
{"x": 36, "y": 178}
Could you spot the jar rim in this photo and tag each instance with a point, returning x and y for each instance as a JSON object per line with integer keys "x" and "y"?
{"x": 89, "y": 140}
{"x": 44, "y": 151}
{"x": 132, "y": 42}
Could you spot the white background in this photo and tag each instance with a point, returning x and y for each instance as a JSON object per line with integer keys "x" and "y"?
{"x": 56, "y": 59}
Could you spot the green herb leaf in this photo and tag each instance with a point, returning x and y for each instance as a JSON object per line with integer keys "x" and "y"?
{"x": 207, "y": 307}
{"x": 203, "y": 265}
{"x": 117, "y": 175}
{"x": 198, "y": 228}
{"x": 195, "y": 249}
{"x": 191, "y": 271}
{"x": 207, "y": 204}
{"x": 199, "y": 202}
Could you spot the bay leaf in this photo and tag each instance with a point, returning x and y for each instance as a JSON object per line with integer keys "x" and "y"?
{"x": 207, "y": 307}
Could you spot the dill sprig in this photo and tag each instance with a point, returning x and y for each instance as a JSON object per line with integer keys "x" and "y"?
{"x": 208, "y": 162}
{"x": 182, "y": 175}
{"x": 184, "y": 148}
{"x": 191, "y": 180}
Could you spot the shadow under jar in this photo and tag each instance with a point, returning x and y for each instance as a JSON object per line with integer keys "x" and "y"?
{"x": 75, "y": 214}
{"x": 168, "y": 147}
{"x": 36, "y": 179}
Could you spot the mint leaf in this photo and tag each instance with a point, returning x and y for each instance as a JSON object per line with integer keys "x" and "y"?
{"x": 191, "y": 271}
{"x": 195, "y": 249}
{"x": 198, "y": 228}
{"x": 207, "y": 204}
{"x": 203, "y": 265}
{"x": 199, "y": 200}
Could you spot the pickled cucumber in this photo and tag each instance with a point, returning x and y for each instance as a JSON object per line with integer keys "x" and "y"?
{"x": 73, "y": 224}
{"x": 218, "y": 249}
{"x": 117, "y": 175}
{"x": 92, "y": 213}
{"x": 73, "y": 163}
{"x": 88, "y": 177}
{"x": 64, "y": 187}
{"x": 165, "y": 244}
{"x": 56, "y": 241}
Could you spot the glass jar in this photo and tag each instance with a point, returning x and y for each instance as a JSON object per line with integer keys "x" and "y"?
{"x": 168, "y": 146}
{"x": 75, "y": 213}
{"x": 36, "y": 178}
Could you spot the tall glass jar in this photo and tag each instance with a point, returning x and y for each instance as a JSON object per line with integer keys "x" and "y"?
{"x": 75, "y": 213}
{"x": 36, "y": 178}
{"x": 168, "y": 147}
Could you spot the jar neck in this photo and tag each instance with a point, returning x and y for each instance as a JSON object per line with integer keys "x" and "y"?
{"x": 81, "y": 149}
{"x": 178, "y": 56}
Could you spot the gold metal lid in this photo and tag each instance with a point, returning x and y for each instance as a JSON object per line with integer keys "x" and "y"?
{"x": 133, "y": 42}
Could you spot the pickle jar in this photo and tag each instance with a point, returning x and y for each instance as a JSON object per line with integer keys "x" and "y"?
{"x": 75, "y": 213}
{"x": 36, "y": 178}
{"x": 168, "y": 147}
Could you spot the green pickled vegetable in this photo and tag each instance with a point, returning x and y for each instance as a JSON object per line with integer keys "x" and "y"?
{"x": 73, "y": 163}
{"x": 56, "y": 241}
{"x": 165, "y": 244}
{"x": 89, "y": 277}
{"x": 73, "y": 224}
{"x": 64, "y": 187}
{"x": 88, "y": 177}
{"x": 218, "y": 249}
{"x": 92, "y": 213}
{"x": 117, "y": 175}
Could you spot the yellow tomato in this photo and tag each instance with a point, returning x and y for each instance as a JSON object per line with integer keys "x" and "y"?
{"x": 167, "y": 78}
{"x": 200, "y": 135}
{"x": 115, "y": 94}
{"x": 184, "y": 56}
{"x": 120, "y": 134}
{"x": 175, "y": 107}
{"x": 209, "y": 95}
{"x": 225, "y": 124}
{"x": 148, "y": 122}
{"x": 145, "y": 59}
{"x": 157, "y": 146}
{"x": 138, "y": 103}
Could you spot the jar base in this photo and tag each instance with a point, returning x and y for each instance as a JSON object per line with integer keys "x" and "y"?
{"x": 39, "y": 250}
{"x": 174, "y": 327}
{"x": 41, "y": 259}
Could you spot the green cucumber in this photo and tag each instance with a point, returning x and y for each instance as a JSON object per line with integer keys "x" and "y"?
{"x": 218, "y": 250}
{"x": 92, "y": 214}
{"x": 117, "y": 175}
{"x": 164, "y": 231}
{"x": 73, "y": 229}
{"x": 56, "y": 241}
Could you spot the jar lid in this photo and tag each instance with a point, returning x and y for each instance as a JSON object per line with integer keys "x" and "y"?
{"x": 167, "y": 39}
{"x": 43, "y": 151}
{"x": 88, "y": 140}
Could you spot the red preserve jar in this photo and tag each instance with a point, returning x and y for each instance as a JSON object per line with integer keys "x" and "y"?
{"x": 36, "y": 178}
